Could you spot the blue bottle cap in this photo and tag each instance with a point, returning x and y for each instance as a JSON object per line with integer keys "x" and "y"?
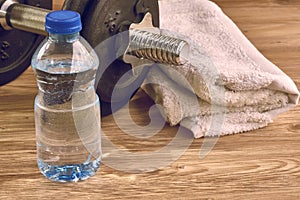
{"x": 63, "y": 22}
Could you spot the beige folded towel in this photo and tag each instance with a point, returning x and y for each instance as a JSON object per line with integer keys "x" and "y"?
{"x": 234, "y": 88}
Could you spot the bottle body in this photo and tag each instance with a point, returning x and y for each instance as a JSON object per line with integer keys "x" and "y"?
{"x": 67, "y": 110}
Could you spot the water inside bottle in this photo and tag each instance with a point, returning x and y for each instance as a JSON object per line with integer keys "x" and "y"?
{"x": 67, "y": 117}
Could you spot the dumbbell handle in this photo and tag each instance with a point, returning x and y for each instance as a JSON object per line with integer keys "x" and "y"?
{"x": 23, "y": 17}
{"x": 157, "y": 48}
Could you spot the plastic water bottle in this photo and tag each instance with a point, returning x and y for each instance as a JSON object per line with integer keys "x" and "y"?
{"x": 67, "y": 113}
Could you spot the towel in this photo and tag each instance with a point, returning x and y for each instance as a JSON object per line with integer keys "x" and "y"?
{"x": 227, "y": 86}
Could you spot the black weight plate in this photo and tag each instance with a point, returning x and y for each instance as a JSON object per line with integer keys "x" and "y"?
{"x": 17, "y": 47}
{"x": 76, "y": 5}
{"x": 103, "y": 19}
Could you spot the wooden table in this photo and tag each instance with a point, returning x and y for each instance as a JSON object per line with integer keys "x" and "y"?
{"x": 263, "y": 164}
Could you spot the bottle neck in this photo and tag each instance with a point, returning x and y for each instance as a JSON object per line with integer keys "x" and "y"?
{"x": 68, "y": 38}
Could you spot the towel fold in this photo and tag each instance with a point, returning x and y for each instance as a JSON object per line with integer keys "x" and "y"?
{"x": 227, "y": 86}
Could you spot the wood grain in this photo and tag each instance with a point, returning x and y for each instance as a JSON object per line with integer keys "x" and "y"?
{"x": 263, "y": 164}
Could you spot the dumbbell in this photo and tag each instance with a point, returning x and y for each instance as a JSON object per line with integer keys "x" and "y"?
{"x": 22, "y": 27}
{"x": 23, "y": 24}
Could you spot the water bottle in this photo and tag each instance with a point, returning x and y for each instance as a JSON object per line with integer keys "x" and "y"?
{"x": 67, "y": 112}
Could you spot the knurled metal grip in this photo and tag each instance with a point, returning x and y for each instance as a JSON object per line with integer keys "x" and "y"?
{"x": 158, "y": 48}
{"x": 27, "y": 18}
